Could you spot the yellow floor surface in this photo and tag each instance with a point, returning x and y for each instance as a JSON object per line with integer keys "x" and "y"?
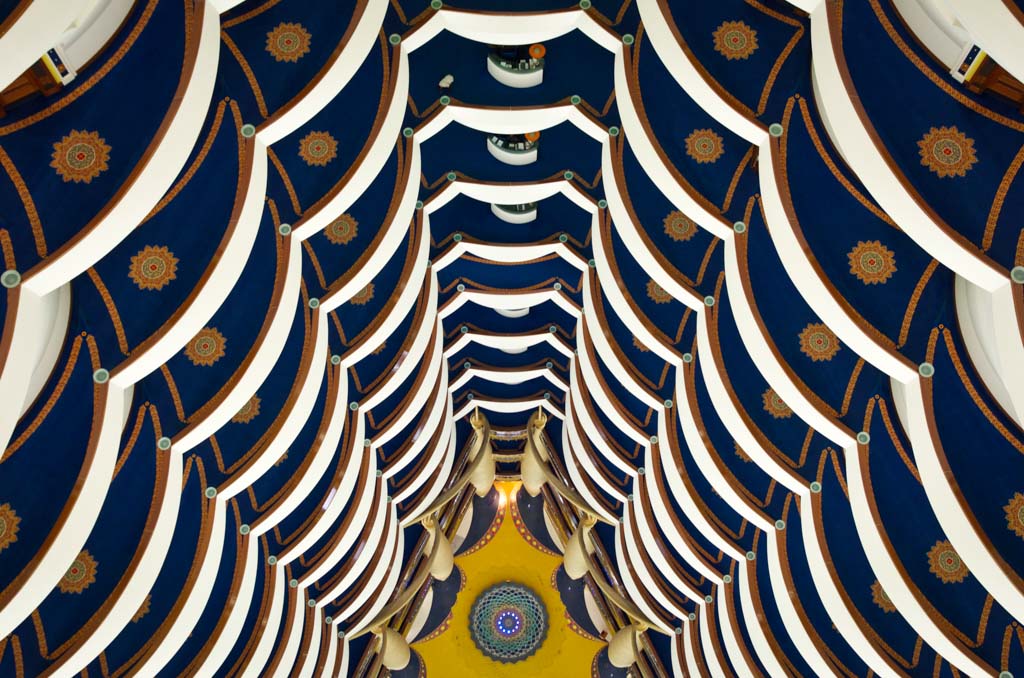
{"x": 564, "y": 653}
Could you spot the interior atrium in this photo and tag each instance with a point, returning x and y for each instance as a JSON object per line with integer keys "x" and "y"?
{"x": 596, "y": 339}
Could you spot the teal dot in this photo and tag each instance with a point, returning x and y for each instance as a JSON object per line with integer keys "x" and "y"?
{"x": 815, "y": 487}
{"x": 335, "y": 359}
{"x": 445, "y": 100}
{"x": 248, "y": 131}
{"x": 613, "y": 131}
{"x": 775, "y": 129}
{"x": 10, "y": 278}
{"x": 163, "y": 443}
{"x": 101, "y": 376}
{"x": 394, "y": 38}
{"x": 407, "y": 132}
{"x": 602, "y": 203}
{"x": 575, "y": 100}
{"x": 284, "y": 229}
{"x": 244, "y": 529}
{"x": 780, "y": 524}
{"x": 926, "y": 370}
{"x": 563, "y": 238}
{"x": 1017, "y": 275}
{"x": 863, "y": 438}
{"x": 739, "y": 227}
{"x": 750, "y": 555}
{"x": 687, "y": 357}
{"x": 709, "y": 300}
{"x": 451, "y": 176}
{"x": 627, "y": 39}
{"x": 314, "y": 302}
{"x": 436, "y": 4}
{"x": 272, "y": 560}
{"x": 210, "y": 492}
{"x": 568, "y": 175}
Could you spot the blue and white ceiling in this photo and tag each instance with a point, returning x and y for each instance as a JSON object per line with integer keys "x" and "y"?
{"x": 771, "y": 303}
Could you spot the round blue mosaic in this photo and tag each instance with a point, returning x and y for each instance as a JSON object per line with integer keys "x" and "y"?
{"x": 508, "y": 622}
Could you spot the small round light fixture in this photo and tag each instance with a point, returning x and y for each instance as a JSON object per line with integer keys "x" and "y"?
{"x": 10, "y": 278}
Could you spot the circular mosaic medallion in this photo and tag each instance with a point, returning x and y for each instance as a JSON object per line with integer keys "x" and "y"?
{"x": 735, "y": 40}
{"x": 679, "y": 227}
{"x": 250, "y": 410}
{"x": 775, "y": 406}
{"x": 363, "y": 296}
{"x": 818, "y": 342}
{"x": 945, "y": 563}
{"x": 657, "y": 293}
{"x": 80, "y": 156}
{"x": 1014, "y": 515}
{"x": 508, "y": 622}
{"x": 880, "y": 597}
{"x": 153, "y": 268}
{"x": 80, "y": 575}
{"x": 872, "y": 262}
{"x": 704, "y": 146}
{"x": 318, "y": 148}
{"x": 143, "y": 609}
{"x": 342, "y": 230}
{"x": 206, "y": 348}
{"x": 947, "y": 151}
{"x": 8, "y": 526}
{"x": 288, "y": 42}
